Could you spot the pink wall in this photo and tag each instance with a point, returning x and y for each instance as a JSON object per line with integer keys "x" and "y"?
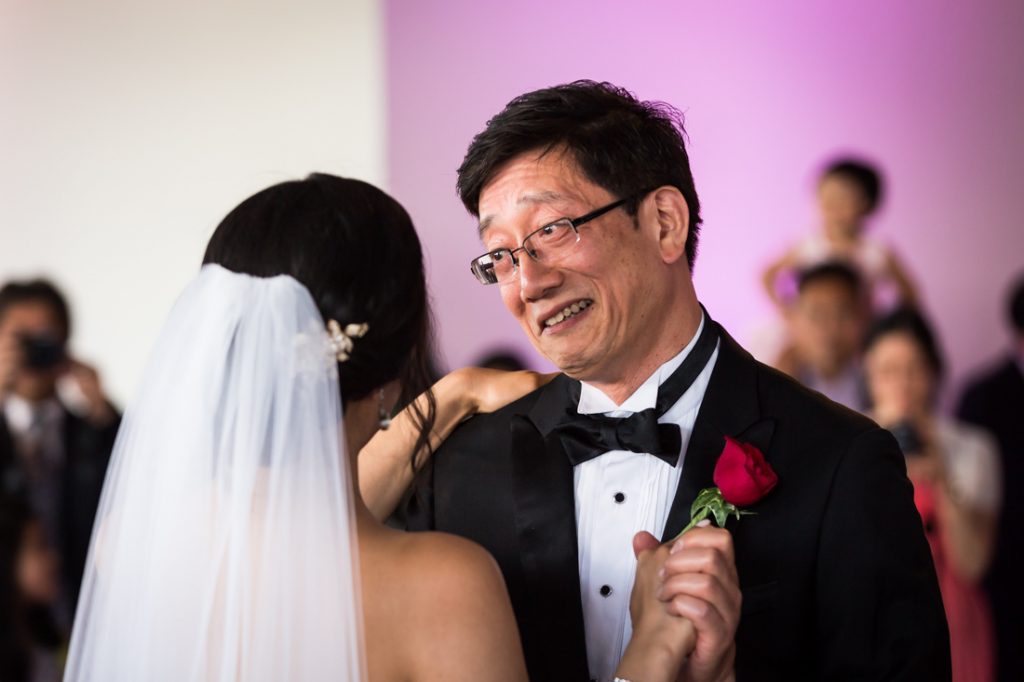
{"x": 932, "y": 90}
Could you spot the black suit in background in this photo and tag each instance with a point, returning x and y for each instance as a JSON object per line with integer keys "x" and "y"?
{"x": 87, "y": 451}
{"x": 837, "y": 578}
{"x": 995, "y": 402}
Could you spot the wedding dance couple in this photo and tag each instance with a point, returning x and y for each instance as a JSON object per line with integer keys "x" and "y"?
{"x": 240, "y": 533}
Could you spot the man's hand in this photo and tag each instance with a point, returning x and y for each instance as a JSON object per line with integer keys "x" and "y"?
{"x": 701, "y": 585}
{"x": 87, "y": 379}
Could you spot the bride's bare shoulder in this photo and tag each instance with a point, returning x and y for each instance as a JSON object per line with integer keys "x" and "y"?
{"x": 456, "y": 615}
{"x": 442, "y": 567}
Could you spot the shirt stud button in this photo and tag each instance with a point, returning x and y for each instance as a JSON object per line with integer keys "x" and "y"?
{"x": 619, "y": 498}
{"x": 605, "y": 590}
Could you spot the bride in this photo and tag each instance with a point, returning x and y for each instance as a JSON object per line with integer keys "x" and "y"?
{"x": 232, "y": 542}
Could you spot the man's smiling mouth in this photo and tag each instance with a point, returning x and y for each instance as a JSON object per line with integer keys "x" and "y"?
{"x": 568, "y": 312}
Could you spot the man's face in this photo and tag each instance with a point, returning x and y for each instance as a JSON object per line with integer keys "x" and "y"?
{"x": 33, "y": 319}
{"x": 827, "y": 324}
{"x": 612, "y": 271}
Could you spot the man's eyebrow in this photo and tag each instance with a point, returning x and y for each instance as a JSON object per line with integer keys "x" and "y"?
{"x": 546, "y": 197}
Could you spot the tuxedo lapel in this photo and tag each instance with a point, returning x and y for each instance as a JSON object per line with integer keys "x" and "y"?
{"x": 730, "y": 408}
{"x": 545, "y": 514}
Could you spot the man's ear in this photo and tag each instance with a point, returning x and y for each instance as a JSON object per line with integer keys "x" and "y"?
{"x": 673, "y": 218}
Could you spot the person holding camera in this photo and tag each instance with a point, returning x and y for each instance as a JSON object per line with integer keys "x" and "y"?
{"x": 54, "y": 445}
{"x": 956, "y": 475}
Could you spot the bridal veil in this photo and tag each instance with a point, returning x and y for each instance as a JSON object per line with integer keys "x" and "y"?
{"x": 224, "y": 548}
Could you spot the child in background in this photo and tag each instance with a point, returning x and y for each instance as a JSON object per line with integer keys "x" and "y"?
{"x": 848, "y": 194}
{"x": 30, "y": 644}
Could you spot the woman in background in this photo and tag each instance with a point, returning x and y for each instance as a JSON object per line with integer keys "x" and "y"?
{"x": 955, "y": 472}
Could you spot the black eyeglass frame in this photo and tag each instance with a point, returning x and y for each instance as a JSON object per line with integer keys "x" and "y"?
{"x": 482, "y": 275}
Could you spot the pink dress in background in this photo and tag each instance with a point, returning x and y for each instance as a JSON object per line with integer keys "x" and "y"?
{"x": 971, "y": 638}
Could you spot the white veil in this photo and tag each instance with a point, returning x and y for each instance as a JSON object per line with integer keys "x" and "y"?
{"x": 225, "y": 547}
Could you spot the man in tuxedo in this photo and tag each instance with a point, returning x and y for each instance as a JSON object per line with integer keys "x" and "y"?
{"x": 52, "y": 456}
{"x": 994, "y": 400}
{"x": 589, "y": 221}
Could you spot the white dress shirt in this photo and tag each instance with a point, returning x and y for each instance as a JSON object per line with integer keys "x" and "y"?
{"x": 618, "y": 494}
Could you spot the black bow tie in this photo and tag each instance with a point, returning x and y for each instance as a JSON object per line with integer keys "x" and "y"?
{"x": 586, "y": 436}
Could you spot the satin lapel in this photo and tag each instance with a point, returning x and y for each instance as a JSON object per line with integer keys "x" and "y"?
{"x": 730, "y": 407}
{"x": 546, "y": 526}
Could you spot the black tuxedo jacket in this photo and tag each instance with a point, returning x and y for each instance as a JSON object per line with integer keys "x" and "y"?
{"x": 836, "y": 574}
{"x": 995, "y": 401}
{"x": 87, "y": 451}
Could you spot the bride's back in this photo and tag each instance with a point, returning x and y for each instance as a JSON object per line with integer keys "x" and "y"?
{"x": 435, "y": 608}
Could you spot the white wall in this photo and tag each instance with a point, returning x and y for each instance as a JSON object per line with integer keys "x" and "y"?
{"x": 128, "y": 129}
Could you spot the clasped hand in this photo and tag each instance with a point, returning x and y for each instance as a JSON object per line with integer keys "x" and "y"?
{"x": 685, "y": 606}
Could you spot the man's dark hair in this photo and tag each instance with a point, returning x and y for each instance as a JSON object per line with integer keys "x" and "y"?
{"x": 620, "y": 143}
{"x": 38, "y": 291}
{"x": 1016, "y": 306}
{"x": 863, "y": 174}
{"x": 911, "y": 322}
{"x": 832, "y": 271}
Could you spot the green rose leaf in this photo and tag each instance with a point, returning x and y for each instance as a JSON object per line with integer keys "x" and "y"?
{"x": 709, "y": 502}
{"x": 720, "y": 515}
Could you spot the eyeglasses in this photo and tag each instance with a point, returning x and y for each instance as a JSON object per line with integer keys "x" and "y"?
{"x": 547, "y": 244}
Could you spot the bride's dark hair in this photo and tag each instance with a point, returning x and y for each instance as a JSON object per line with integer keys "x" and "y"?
{"x": 356, "y": 251}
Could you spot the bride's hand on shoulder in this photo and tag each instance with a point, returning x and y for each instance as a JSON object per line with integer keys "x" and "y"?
{"x": 486, "y": 390}
{"x": 661, "y": 641}
{"x": 384, "y": 471}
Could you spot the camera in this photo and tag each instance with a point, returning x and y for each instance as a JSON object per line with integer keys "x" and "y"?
{"x": 907, "y": 438}
{"x": 42, "y": 352}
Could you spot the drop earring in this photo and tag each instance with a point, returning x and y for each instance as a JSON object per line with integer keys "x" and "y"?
{"x": 385, "y": 415}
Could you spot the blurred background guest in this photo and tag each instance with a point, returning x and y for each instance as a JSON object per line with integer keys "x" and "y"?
{"x": 994, "y": 400}
{"x": 505, "y": 359}
{"x": 826, "y": 323}
{"x": 54, "y": 444}
{"x": 849, "y": 192}
{"x": 956, "y": 477}
{"x": 30, "y": 644}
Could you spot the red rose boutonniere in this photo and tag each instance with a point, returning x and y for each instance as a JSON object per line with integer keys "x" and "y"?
{"x": 742, "y": 477}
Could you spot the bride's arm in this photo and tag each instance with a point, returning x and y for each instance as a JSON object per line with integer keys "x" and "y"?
{"x": 385, "y": 463}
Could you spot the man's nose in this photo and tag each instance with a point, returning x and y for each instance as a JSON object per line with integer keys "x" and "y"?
{"x": 535, "y": 278}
